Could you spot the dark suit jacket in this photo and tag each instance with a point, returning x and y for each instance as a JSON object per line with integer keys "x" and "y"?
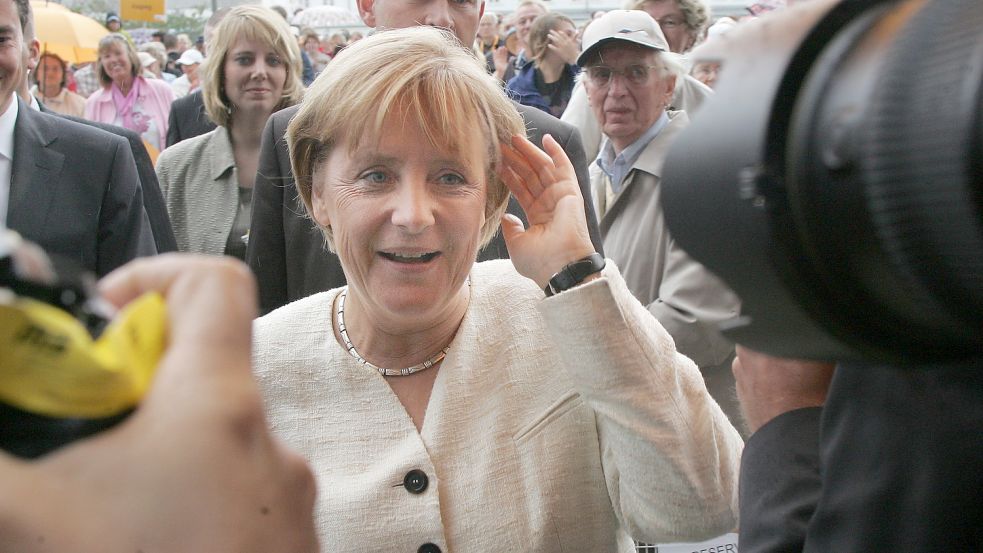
{"x": 287, "y": 252}
{"x": 187, "y": 119}
{"x": 153, "y": 200}
{"x": 74, "y": 191}
{"x": 892, "y": 463}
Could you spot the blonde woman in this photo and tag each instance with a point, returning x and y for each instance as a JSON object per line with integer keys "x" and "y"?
{"x": 448, "y": 405}
{"x": 126, "y": 99}
{"x": 253, "y": 69}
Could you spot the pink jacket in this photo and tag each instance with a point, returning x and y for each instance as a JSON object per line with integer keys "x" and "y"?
{"x": 155, "y": 97}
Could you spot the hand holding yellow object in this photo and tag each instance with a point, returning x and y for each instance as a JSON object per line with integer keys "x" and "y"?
{"x": 194, "y": 467}
{"x": 51, "y": 366}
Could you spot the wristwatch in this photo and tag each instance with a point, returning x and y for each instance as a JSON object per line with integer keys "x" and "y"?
{"x": 574, "y": 273}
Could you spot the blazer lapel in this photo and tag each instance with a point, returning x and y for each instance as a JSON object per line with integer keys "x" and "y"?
{"x": 34, "y": 172}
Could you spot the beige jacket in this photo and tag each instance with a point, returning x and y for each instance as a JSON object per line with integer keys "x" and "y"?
{"x": 559, "y": 424}
{"x": 683, "y": 295}
{"x": 65, "y": 102}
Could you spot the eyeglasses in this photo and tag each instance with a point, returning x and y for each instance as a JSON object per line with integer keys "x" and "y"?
{"x": 635, "y": 75}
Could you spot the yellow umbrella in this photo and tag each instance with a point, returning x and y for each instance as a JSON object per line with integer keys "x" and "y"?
{"x": 74, "y": 37}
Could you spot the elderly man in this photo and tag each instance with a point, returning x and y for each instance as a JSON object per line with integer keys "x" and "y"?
{"x": 681, "y": 22}
{"x": 629, "y": 84}
{"x": 286, "y": 251}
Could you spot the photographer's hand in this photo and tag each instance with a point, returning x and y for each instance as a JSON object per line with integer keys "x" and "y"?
{"x": 770, "y": 386}
{"x": 194, "y": 468}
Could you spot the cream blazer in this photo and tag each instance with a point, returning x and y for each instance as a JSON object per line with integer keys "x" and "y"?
{"x": 561, "y": 424}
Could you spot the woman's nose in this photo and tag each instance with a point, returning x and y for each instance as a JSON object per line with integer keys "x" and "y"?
{"x": 414, "y": 206}
{"x": 260, "y": 70}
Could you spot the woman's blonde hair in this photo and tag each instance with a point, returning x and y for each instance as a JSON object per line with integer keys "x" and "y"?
{"x": 136, "y": 68}
{"x": 262, "y": 25}
{"x": 422, "y": 73}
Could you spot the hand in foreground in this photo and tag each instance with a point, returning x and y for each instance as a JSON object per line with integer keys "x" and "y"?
{"x": 194, "y": 468}
{"x": 770, "y": 386}
{"x": 545, "y": 185}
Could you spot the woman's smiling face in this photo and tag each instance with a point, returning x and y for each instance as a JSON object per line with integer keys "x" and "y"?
{"x": 116, "y": 63}
{"x": 406, "y": 219}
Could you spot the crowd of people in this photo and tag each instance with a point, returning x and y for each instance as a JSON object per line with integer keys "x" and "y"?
{"x": 476, "y": 331}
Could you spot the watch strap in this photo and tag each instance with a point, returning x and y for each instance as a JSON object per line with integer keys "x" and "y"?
{"x": 574, "y": 273}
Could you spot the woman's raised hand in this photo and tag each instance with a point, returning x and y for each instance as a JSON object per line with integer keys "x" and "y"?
{"x": 545, "y": 184}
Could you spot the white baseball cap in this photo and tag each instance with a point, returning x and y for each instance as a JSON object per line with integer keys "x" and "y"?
{"x": 633, "y": 26}
{"x": 190, "y": 56}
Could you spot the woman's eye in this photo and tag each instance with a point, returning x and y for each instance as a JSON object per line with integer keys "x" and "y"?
{"x": 244, "y": 60}
{"x": 274, "y": 61}
{"x": 375, "y": 177}
{"x": 451, "y": 179}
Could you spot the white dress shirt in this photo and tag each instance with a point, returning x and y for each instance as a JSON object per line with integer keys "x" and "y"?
{"x": 7, "y": 121}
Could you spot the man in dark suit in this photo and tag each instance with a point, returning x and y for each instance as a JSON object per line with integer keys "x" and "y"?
{"x": 71, "y": 189}
{"x": 74, "y": 191}
{"x": 868, "y": 458}
{"x": 286, "y": 251}
{"x": 153, "y": 199}
{"x": 187, "y": 119}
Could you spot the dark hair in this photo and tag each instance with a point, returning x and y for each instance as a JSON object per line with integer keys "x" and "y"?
{"x": 169, "y": 40}
{"x": 307, "y": 33}
{"x": 64, "y": 69}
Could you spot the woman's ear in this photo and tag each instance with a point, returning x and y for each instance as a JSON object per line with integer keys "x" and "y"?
{"x": 319, "y": 201}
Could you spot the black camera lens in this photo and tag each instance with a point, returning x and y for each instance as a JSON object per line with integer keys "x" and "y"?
{"x": 835, "y": 182}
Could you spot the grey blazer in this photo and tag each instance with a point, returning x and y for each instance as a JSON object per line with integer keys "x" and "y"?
{"x": 287, "y": 252}
{"x": 200, "y": 183}
{"x": 75, "y": 192}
